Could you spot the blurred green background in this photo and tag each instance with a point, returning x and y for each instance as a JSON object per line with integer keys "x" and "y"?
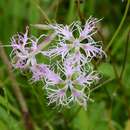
{"x": 111, "y": 107}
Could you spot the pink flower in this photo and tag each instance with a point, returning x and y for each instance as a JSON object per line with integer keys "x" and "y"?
{"x": 87, "y": 80}
{"x": 89, "y": 27}
{"x": 52, "y": 78}
{"x": 41, "y": 71}
{"x": 23, "y": 47}
{"x": 92, "y": 50}
{"x": 57, "y": 96}
{"x": 69, "y": 66}
{"x": 72, "y": 64}
{"x": 65, "y": 32}
{"x": 69, "y": 43}
{"x": 79, "y": 97}
{"x": 38, "y": 72}
{"x": 61, "y": 50}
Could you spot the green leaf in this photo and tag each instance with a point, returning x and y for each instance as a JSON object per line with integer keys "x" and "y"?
{"x": 107, "y": 70}
{"x": 82, "y": 121}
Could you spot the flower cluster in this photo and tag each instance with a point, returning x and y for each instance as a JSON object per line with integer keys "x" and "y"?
{"x": 70, "y": 82}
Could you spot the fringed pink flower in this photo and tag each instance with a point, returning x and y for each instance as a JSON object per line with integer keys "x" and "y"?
{"x": 61, "y": 50}
{"x": 58, "y": 96}
{"x": 23, "y": 48}
{"x": 87, "y": 79}
{"x": 42, "y": 71}
{"x": 78, "y": 96}
{"x": 64, "y": 32}
{"x": 93, "y": 50}
{"x": 88, "y": 30}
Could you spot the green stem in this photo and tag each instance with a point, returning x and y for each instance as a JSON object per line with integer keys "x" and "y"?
{"x": 79, "y": 12}
{"x": 42, "y": 11}
{"x": 125, "y": 56}
{"x": 100, "y": 85}
{"x": 119, "y": 27}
